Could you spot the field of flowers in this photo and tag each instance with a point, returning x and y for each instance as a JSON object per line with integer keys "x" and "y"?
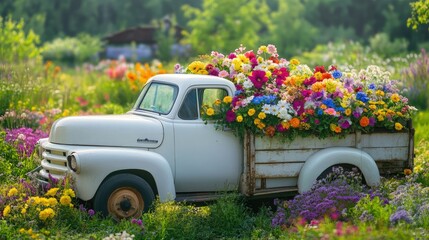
{"x": 34, "y": 94}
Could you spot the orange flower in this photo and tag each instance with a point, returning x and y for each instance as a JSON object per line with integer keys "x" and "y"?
{"x": 132, "y": 76}
{"x": 326, "y": 75}
{"x": 294, "y": 122}
{"x": 364, "y": 121}
{"x": 407, "y": 171}
{"x": 270, "y": 130}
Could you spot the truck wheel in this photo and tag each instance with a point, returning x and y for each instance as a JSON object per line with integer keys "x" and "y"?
{"x": 124, "y": 196}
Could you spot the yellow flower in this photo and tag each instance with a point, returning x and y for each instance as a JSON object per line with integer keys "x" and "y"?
{"x": 262, "y": 115}
{"x": 294, "y": 61}
{"x": 239, "y": 118}
{"x": 262, "y": 48}
{"x": 66, "y": 113}
{"x": 210, "y": 112}
{"x": 380, "y": 118}
{"x": 372, "y": 107}
{"x": 395, "y": 97}
{"x": 69, "y": 192}
{"x": 65, "y": 200}
{"x": 251, "y": 112}
{"x": 398, "y": 126}
{"x": 6, "y": 211}
{"x": 348, "y": 111}
{"x": 257, "y": 121}
{"x": 46, "y": 213}
{"x": 196, "y": 66}
{"x": 318, "y": 75}
{"x": 261, "y": 125}
{"x": 52, "y": 192}
{"x": 52, "y": 201}
{"x": 217, "y": 102}
{"x": 227, "y": 99}
{"x": 24, "y": 209}
{"x": 12, "y": 192}
{"x": 379, "y": 93}
{"x": 268, "y": 74}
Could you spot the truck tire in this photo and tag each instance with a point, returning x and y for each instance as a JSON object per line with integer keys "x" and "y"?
{"x": 123, "y": 196}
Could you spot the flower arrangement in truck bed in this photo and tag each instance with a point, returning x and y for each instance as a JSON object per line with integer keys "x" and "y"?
{"x": 279, "y": 97}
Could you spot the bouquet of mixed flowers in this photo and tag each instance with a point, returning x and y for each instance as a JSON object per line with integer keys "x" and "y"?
{"x": 279, "y": 97}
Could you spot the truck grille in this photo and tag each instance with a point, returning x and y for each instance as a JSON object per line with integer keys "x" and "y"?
{"x": 54, "y": 164}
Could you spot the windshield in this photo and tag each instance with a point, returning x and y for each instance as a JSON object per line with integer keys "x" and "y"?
{"x": 159, "y": 98}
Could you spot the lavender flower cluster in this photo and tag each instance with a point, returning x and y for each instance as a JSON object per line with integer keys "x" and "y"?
{"x": 329, "y": 200}
{"x": 24, "y": 139}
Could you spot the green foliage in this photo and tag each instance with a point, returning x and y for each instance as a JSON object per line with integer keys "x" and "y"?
{"x": 421, "y": 124}
{"x": 223, "y": 24}
{"x": 419, "y": 14}
{"x": 72, "y": 50}
{"x": 373, "y": 211}
{"x": 381, "y": 45}
{"x": 289, "y": 30}
{"x": 15, "y": 44}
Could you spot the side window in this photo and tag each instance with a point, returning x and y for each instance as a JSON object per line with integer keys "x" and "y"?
{"x": 210, "y": 95}
{"x": 195, "y": 99}
{"x": 189, "y": 109}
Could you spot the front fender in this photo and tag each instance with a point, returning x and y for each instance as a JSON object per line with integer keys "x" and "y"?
{"x": 328, "y": 157}
{"x": 96, "y": 164}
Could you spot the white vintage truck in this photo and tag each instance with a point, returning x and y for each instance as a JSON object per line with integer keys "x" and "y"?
{"x": 162, "y": 147}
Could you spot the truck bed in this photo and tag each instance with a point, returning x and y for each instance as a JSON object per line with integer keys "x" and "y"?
{"x": 273, "y": 164}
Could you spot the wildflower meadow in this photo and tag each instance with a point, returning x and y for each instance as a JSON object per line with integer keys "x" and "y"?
{"x": 277, "y": 96}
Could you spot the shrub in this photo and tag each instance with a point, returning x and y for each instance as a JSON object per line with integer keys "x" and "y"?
{"x": 72, "y": 50}
{"x": 15, "y": 44}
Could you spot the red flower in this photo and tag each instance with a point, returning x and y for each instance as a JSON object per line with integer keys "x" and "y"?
{"x": 258, "y": 78}
{"x": 320, "y": 69}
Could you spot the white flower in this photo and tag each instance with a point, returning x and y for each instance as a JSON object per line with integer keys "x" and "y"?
{"x": 247, "y": 84}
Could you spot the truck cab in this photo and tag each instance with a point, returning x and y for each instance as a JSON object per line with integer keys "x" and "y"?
{"x": 162, "y": 144}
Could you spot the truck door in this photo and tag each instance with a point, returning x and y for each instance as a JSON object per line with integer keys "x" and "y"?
{"x": 206, "y": 159}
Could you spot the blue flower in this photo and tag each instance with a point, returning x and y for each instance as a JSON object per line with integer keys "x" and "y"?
{"x": 361, "y": 96}
{"x": 258, "y": 100}
{"x": 371, "y": 86}
{"x": 238, "y": 92}
{"x": 329, "y": 102}
{"x": 337, "y": 74}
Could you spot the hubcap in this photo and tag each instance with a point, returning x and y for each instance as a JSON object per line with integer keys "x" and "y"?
{"x": 125, "y": 202}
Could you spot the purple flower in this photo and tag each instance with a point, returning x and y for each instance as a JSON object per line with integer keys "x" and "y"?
{"x": 230, "y": 116}
{"x": 24, "y": 139}
{"x": 400, "y": 215}
{"x": 91, "y": 212}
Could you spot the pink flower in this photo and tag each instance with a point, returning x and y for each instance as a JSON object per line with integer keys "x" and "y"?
{"x": 230, "y": 116}
{"x": 258, "y": 78}
{"x": 223, "y": 74}
{"x": 330, "y": 111}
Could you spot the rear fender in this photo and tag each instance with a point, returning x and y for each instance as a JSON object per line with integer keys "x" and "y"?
{"x": 328, "y": 157}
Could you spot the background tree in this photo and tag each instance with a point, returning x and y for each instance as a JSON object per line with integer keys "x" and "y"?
{"x": 290, "y": 31}
{"x": 419, "y": 14}
{"x": 223, "y": 24}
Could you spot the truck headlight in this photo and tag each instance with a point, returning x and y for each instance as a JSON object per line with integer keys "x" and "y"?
{"x": 73, "y": 162}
